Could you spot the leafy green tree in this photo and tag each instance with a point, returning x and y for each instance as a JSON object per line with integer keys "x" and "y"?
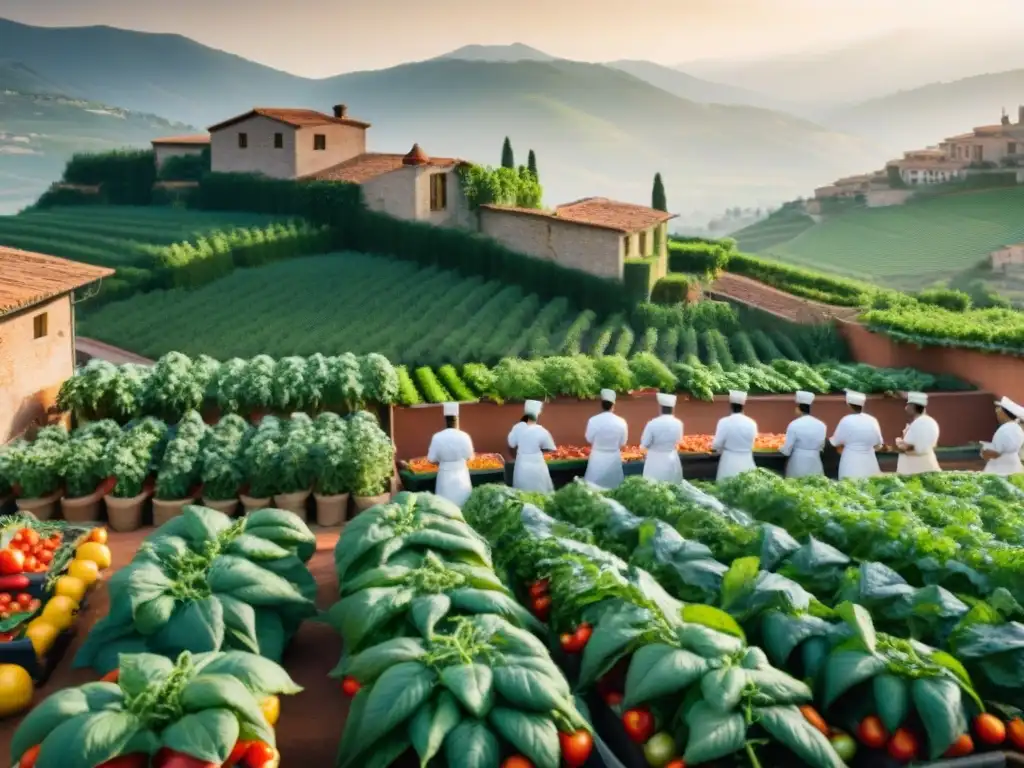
{"x": 508, "y": 159}
{"x": 658, "y": 201}
{"x": 531, "y": 163}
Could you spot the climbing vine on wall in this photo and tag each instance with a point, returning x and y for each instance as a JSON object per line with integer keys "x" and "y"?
{"x": 501, "y": 186}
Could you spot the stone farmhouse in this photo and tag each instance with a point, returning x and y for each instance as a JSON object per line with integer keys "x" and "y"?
{"x": 595, "y": 235}
{"x": 37, "y": 333}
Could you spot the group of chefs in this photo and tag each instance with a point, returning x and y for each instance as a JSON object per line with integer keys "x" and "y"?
{"x": 857, "y": 437}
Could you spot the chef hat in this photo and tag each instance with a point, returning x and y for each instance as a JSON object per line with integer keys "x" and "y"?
{"x": 608, "y": 395}
{"x": 855, "y": 398}
{"x": 532, "y": 407}
{"x": 917, "y": 398}
{"x": 804, "y": 398}
{"x": 1009, "y": 405}
{"x": 666, "y": 401}
{"x": 737, "y": 398}
{"x": 451, "y": 409}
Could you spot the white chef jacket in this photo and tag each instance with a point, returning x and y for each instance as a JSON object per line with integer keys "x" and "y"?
{"x": 923, "y": 434}
{"x": 858, "y": 434}
{"x": 734, "y": 440}
{"x": 450, "y": 449}
{"x": 606, "y": 433}
{"x": 1008, "y": 441}
{"x": 531, "y": 471}
{"x": 661, "y": 438}
{"x": 805, "y": 437}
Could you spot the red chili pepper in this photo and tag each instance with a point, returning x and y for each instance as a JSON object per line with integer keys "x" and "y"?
{"x": 14, "y": 583}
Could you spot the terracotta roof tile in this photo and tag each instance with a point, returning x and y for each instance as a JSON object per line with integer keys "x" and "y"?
{"x": 597, "y": 212}
{"x": 181, "y": 141}
{"x": 362, "y": 168}
{"x": 30, "y": 278}
{"x": 296, "y": 118}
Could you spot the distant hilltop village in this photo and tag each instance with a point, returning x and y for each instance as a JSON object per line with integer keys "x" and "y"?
{"x": 986, "y": 150}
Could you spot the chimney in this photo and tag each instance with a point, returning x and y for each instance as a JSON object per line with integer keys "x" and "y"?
{"x": 340, "y": 111}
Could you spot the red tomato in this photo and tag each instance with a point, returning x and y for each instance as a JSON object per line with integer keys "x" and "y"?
{"x": 240, "y": 751}
{"x": 1015, "y": 729}
{"x": 542, "y": 607}
{"x": 45, "y": 556}
{"x": 613, "y": 699}
{"x": 903, "y": 746}
{"x": 127, "y": 761}
{"x": 28, "y": 760}
{"x": 539, "y": 588}
{"x": 676, "y": 764}
{"x": 168, "y": 758}
{"x": 25, "y": 599}
{"x": 961, "y": 747}
{"x": 568, "y": 643}
{"x": 872, "y": 733}
{"x": 111, "y": 676}
{"x": 28, "y": 536}
{"x": 583, "y": 633}
{"x": 990, "y": 729}
{"x": 11, "y": 562}
{"x": 517, "y": 761}
{"x": 5, "y": 598}
{"x": 31, "y": 564}
{"x": 260, "y": 755}
{"x": 576, "y": 747}
{"x": 350, "y": 686}
{"x": 639, "y": 725}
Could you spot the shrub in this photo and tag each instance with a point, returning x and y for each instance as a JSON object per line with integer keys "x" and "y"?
{"x": 703, "y": 258}
{"x": 125, "y": 176}
{"x": 185, "y": 167}
{"x": 945, "y": 298}
{"x": 637, "y": 276}
{"x": 674, "y": 288}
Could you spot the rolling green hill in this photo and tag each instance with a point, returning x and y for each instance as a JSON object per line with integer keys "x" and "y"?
{"x": 783, "y": 225}
{"x": 907, "y": 246}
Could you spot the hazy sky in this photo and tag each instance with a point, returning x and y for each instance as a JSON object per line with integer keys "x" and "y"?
{"x": 317, "y": 38}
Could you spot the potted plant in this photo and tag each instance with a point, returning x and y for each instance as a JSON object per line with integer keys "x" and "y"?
{"x": 220, "y": 463}
{"x": 371, "y": 461}
{"x": 256, "y": 392}
{"x": 129, "y": 463}
{"x": 177, "y": 476}
{"x": 176, "y": 385}
{"x": 331, "y": 469}
{"x": 259, "y": 464}
{"x": 83, "y": 470}
{"x": 294, "y": 470}
{"x": 34, "y": 470}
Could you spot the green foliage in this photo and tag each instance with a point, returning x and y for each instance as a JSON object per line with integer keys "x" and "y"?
{"x": 958, "y": 301}
{"x": 517, "y": 187}
{"x": 837, "y": 291}
{"x": 185, "y": 167}
{"x": 531, "y": 165}
{"x": 706, "y": 259}
{"x": 508, "y": 158}
{"x": 996, "y": 330}
{"x": 658, "y": 200}
{"x": 637, "y": 277}
{"x": 125, "y": 177}
{"x": 673, "y": 288}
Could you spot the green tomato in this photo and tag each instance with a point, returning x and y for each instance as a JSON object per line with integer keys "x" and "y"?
{"x": 845, "y": 746}
{"x": 659, "y": 750}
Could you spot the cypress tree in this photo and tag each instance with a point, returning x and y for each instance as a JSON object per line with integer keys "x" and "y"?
{"x": 658, "y": 201}
{"x": 531, "y": 163}
{"x": 508, "y": 160}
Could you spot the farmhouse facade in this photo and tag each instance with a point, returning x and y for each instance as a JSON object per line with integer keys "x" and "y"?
{"x": 37, "y": 333}
{"x": 595, "y": 235}
{"x": 178, "y": 146}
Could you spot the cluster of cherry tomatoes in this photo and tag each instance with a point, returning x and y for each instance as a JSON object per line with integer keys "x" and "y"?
{"x": 905, "y": 746}
{"x": 28, "y": 552}
{"x": 540, "y": 600}
{"x": 12, "y": 604}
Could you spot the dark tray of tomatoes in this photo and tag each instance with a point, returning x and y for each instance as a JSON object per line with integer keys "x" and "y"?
{"x": 19, "y": 595}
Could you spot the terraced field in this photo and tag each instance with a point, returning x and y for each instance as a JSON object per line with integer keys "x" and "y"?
{"x": 778, "y": 228}
{"x": 912, "y": 245}
{"x": 114, "y": 236}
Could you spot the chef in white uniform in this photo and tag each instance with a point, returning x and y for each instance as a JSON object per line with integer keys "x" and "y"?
{"x": 734, "y": 439}
{"x": 1003, "y": 453}
{"x": 805, "y": 437}
{"x": 530, "y": 440}
{"x": 450, "y": 449}
{"x": 917, "y": 445}
{"x": 858, "y": 436}
{"x": 661, "y": 439}
{"x": 607, "y": 434}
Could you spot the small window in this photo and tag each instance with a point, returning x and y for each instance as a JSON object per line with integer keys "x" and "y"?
{"x": 40, "y": 325}
{"x": 1011, "y": 148}
{"x": 627, "y": 244}
{"x": 319, "y": 142}
{"x": 243, "y": 140}
{"x": 438, "y": 192}
{"x": 643, "y": 244}
{"x": 278, "y": 141}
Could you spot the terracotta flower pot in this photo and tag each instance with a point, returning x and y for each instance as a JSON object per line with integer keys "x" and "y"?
{"x": 330, "y": 510}
{"x": 82, "y": 509}
{"x": 43, "y": 507}
{"x": 252, "y": 504}
{"x": 227, "y": 506}
{"x": 292, "y": 502}
{"x": 364, "y": 503}
{"x": 125, "y": 514}
{"x": 167, "y": 509}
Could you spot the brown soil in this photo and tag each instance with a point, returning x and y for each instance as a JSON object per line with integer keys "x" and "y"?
{"x": 311, "y": 722}
{"x": 776, "y": 302}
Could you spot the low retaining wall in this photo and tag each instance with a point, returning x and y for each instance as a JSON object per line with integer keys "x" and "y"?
{"x": 964, "y": 417}
{"x": 996, "y": 373}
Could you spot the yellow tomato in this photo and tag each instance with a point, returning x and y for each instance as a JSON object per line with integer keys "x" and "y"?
{"x": 71, "y": 587}
{"x": 42, "y": 634}
{"x": 84, "y": 570}
{"x": 271, "y": 708}
{"x": 99, "y": 535}
{"x": 15, "y": 689}
{"x": 60, "y": 611}
{"x": 98, "y": 553}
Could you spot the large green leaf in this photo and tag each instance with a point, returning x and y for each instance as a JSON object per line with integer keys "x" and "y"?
{"x": 353, "y": 741}
{"x": 722, "y": 688}
{"x": 240, "y": 623}
{"x": 261, "y": 676}
{"x": 247, "y": 581}
{"x": 791, "y": 729}
{"x": 146, "y": 582}
{"x": 707, "y": 642}
{"x": 207, "y": 735}
{"x": 283, "y": 528}
{"x": 545, "y": 667}
{"x": 939, "y": 705}
{"x": 271, "y": 635}
{"x": 450, "y": 543}
{"x": 529, "y": 689}
{"x": 396, "y": 695}
{"x": 739, "y": 580}
{"x": 55, "y": 709}
{"x": 358, "y": 616}
{"x": 467, "y": 600}
{"x": 534, "y": 736}
{"x": 658, "y": 670}
{"x": 431, "y": 724}
{"x": 151, "y": 617}
{"x": 256, "y": 548}
{"x": 471, "y": 745}
{"x": 386, "y": 753}
{"x": 142, "y": 671}
{"x": 859, "y": 620}
{"x": 775, "y": 687}
{"x": 845, "y": 669}
{"x": 427, "y": 610}
{"x": 713, "y": 735}
{"x": 87, "y": 740}
{"x": 892, "y": 700}
{"x": 219, "y": 691}
{"x": 609, "y": 641}
{"x": 366, "y": 666}
{"x": 782, "y": 633}
{"x": 385, "y": 576}
{"x": 472, "y": 685}
{"x": 196, "y": 626}
{"x": 354, "y": 543}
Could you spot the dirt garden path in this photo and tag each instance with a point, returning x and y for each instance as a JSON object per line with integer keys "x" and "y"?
{"x": 89, "y": 348}
{"x": 311, "y": 722}
{"x": 776, "y": 302}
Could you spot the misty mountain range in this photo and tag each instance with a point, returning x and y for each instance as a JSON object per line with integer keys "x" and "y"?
{"x": 720, "y": 135}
